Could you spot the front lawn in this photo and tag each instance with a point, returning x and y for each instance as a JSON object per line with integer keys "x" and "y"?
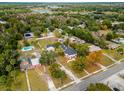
{"x": 92, "y": 68}
{"x": 113, "y": 53}
{"x": 57, "y": 82}
{"x": 106, "y": 61}
{"x": 21, "y": 83}
{"x": 36, "y": 81}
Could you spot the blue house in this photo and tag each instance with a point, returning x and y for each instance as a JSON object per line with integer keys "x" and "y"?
{"x": 69, "y": 52}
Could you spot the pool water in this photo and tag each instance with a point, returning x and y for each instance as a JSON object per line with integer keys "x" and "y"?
{"x": 28, "y": 48}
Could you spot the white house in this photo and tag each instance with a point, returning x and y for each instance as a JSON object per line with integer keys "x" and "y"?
{"x": 35, "y": 61}
{"x": 50, "y": 48}
{"x": 2, "y": 22}
{"x": 94, "y": 48}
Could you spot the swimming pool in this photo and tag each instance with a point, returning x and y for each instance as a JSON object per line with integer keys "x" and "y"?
{"x": 28, "y": 48}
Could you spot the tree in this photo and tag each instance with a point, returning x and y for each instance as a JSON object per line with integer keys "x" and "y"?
{"x": 57, "y": 34}
{"x": 120, "y": 51}
{"x": 78, "y": 64}
{"x": 54, "y": 67}
{"x": 37, "y": 33}
{"x": 56, "y": 72}
{"x": 98, "y": 87}
{"x": 3, "y": 79}
{"x": 59, "y": 74}
{"x": 8, "y": 68}
{"x": 82, "y": 49}
{"x": 47, "y": 58}
{"x": 12, "y": 62}
{"x": 111, "y": 35}
{"x": 107, "y": 22}
{"x": 94, "y": 57}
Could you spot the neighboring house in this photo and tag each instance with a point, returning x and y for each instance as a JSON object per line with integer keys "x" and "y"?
{"x": 69, "y": 52}
{"x": 50, "y": 48}
{"x": 61, "y": 40}
{"x": 82, "y": 25}
{"x": 2, "y": 22}
{"x": 119, "y": 40}
{"x": 70, "y": 27}
{"x": 24, "y": 63}
{"x": 28, "y": 35}
{"x": 116, "y": 23}
{"x": 77, "y": 40}
{"x": 113, "y": 45}
{"x": 94, "y": 48}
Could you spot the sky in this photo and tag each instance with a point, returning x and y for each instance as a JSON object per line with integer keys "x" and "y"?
{"x": 61, "y": 1}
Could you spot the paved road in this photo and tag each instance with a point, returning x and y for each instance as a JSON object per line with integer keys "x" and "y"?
{"x": 95, "y": 78}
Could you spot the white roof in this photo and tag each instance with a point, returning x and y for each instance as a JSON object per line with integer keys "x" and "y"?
{"x": 94, "y": 48}
{"x": 35, "y": 61}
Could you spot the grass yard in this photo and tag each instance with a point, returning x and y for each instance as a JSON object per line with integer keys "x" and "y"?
{"x": 113, "y": 53}
{"x": 21, "y": 84}
{"x": 63, "y": 60}
{"x": 47, "y": 41}
{"x": 106, "y": 61}
{"x": 79, "y": 74}
{"x": 37, "y": 82}
{"x": 57, "y": 82}
{"x": 92, "y": 68}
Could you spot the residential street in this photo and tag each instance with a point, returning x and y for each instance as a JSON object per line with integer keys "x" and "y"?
{"x": 95, "y": 78}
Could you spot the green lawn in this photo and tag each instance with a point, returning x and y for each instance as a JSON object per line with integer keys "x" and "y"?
{"x": 106, "y": 61}
{"x": 47, "y": 41}
{"x": 21, "y": 84}
{"x": 113, "y": 53}
{"x": 37, "y": 82}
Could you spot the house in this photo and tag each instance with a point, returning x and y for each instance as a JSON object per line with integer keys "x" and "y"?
{"x": 74, "y": 39}
{"x": 50, "y": 48}
{"x": 82, "y": 25}
{"x": 69, "y": 52}
{"x": 2, "y": 22}
{"x": 28, "y": 35}
{"x": 70, "y": 27}
{"x": 24, "y": 63}
{"x": 112, "y": 45}
{"x": 35, "y": 61}
{"x": 61, "y": 40}
{"x": 119, "y": 40}
{"x": 94, "y": 48}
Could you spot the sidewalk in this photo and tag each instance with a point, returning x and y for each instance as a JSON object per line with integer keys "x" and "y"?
{"x": 27, "y": 79}
{"x": 69, "y": 73}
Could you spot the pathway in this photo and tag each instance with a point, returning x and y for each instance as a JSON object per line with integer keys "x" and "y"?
{"x": 27, "y": 79}
{"x": 69, "y": 73}
{"x": 49, "y": 81}
{"x": 111, "y": 58}
{"x": 102, "y": 67}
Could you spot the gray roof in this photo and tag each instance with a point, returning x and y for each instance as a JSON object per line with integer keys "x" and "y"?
{"x": 49, "y": 46}
{"x": 68, "y": 50}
